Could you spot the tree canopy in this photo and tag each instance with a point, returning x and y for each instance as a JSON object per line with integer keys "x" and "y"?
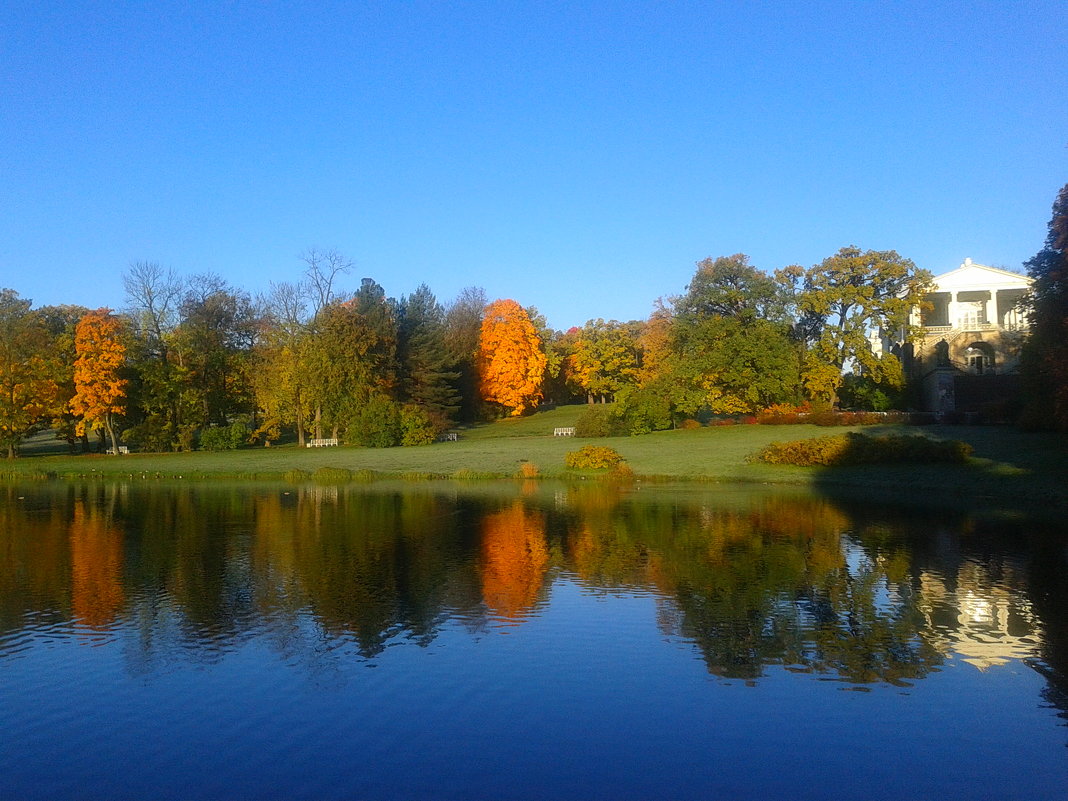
{"x": 847, "y": 298}
{"x": 510, "y": 360}
{"x": 99, "y": 388}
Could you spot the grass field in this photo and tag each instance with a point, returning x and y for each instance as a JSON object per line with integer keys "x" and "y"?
{"x": 1008, "y": 463}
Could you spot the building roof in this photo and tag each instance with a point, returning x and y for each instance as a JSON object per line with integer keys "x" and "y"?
{"x": 970, "y": 275}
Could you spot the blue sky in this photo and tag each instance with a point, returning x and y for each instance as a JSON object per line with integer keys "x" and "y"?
{"x": 579, "y": 157}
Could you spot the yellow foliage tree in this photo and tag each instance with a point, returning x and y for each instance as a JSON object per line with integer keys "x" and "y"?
{"x": 510, "y": 359}
{"x": 99, "y": 392}
{"x": 29, "y": 391}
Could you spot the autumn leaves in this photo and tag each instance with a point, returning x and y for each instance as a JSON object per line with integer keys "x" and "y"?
{"x": 99, "y": 392}
{"x": 511, "y": 363}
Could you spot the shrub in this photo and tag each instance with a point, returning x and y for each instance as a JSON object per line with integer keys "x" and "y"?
{"x": 224, "y": 438}
{"x": 416, "y": 426}
{"x": 621, "y": 472}
{"x": 781, "y": 414}
{"x": 296, "y": 476}
{"x": 689, "y": 424}
{"x": 528, "y": 470}
{"x": 593, "y": 456}
{"x": 644, "y": 410}
{"x": 597, "y": 422}
{"x": 829, "y": 417}
{"x": 377, "y": 424}
{"x": 852, "y": 448}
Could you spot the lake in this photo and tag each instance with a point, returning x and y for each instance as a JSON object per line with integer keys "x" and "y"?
{"x": 529, "y": 640}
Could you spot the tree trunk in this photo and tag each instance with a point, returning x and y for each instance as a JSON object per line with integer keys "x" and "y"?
{"x": 111, "y": 435}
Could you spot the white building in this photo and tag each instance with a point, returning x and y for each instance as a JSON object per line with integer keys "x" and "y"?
{"x": 972, "y": 325}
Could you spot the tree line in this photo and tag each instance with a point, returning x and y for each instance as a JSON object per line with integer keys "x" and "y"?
{"x": 196, "y": 362}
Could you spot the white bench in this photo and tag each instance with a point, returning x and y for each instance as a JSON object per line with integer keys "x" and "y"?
{"x": 322, "y": 443}
{"x": 563, "y": 432}
{"x": 122, "y": 449}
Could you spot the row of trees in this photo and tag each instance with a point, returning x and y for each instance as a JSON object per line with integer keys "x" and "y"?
{"x": 192, "y": 356}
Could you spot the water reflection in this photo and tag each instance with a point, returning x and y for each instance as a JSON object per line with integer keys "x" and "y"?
{"x": 514, "y": 560}
{"x": 755, "y": 583}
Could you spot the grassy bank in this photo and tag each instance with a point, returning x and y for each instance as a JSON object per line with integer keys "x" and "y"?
{"x": 1008, "y": 463}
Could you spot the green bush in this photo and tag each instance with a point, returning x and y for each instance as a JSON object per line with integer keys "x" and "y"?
{"x": 593, "y": 457}
{"x": 416, "y": 426}
{"x": 377, "y": 424}
{"x": 644, "y": 410}
{"x": 224, "y": 438}
{"x": 296, "y": 476}
{"x": 852, "y": 448}
{"x": 597, "y": 422}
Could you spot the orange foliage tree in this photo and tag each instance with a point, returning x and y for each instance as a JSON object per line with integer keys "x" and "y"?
{"x": 510, "y": 359}
{"x": 99, "y": 392}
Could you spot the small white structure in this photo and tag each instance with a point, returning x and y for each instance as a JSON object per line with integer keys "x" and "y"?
{"x": 322, "y": 443}
{"x": 563, "y": 432}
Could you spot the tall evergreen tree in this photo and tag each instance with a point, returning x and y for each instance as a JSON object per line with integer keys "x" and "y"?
{"x": 1046, "y": 354}
{"x": 463, "y": 325}
{"x": 427, "y": 372}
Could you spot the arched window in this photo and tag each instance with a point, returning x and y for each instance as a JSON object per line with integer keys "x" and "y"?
{"x": 979, "y": 357}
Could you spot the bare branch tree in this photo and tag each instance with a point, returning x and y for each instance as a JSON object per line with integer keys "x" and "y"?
{"x": 321, "y": 270}
{"x": 287, "y": 305}
{"x": 153, "y": 295}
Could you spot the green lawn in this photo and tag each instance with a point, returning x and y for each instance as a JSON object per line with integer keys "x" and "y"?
{"x": 1008, "y": 463}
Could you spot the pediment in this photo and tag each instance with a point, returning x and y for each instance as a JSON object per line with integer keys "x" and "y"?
{"x": 978, "y": 276}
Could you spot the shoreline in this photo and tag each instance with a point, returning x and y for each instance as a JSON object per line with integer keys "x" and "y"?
{"x": 1009, "y": 467}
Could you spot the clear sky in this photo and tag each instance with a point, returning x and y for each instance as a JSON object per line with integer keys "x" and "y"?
{"x": 575, "y": 156}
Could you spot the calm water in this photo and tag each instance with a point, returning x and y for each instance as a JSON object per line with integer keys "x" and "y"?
{"x": 523, "y": 642}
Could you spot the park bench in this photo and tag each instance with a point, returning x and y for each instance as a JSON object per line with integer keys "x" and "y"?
{"x": 122, "y": 449}
{"x": 563, "y": 432}
{"x": 322, "y": 443}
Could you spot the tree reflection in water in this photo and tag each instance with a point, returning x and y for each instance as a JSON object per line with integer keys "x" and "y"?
{"x": 756, "y": 582}
{"x": 514, "y": 560}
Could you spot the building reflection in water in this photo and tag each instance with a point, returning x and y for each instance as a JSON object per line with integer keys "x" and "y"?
{"x": 979, "y": 620}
